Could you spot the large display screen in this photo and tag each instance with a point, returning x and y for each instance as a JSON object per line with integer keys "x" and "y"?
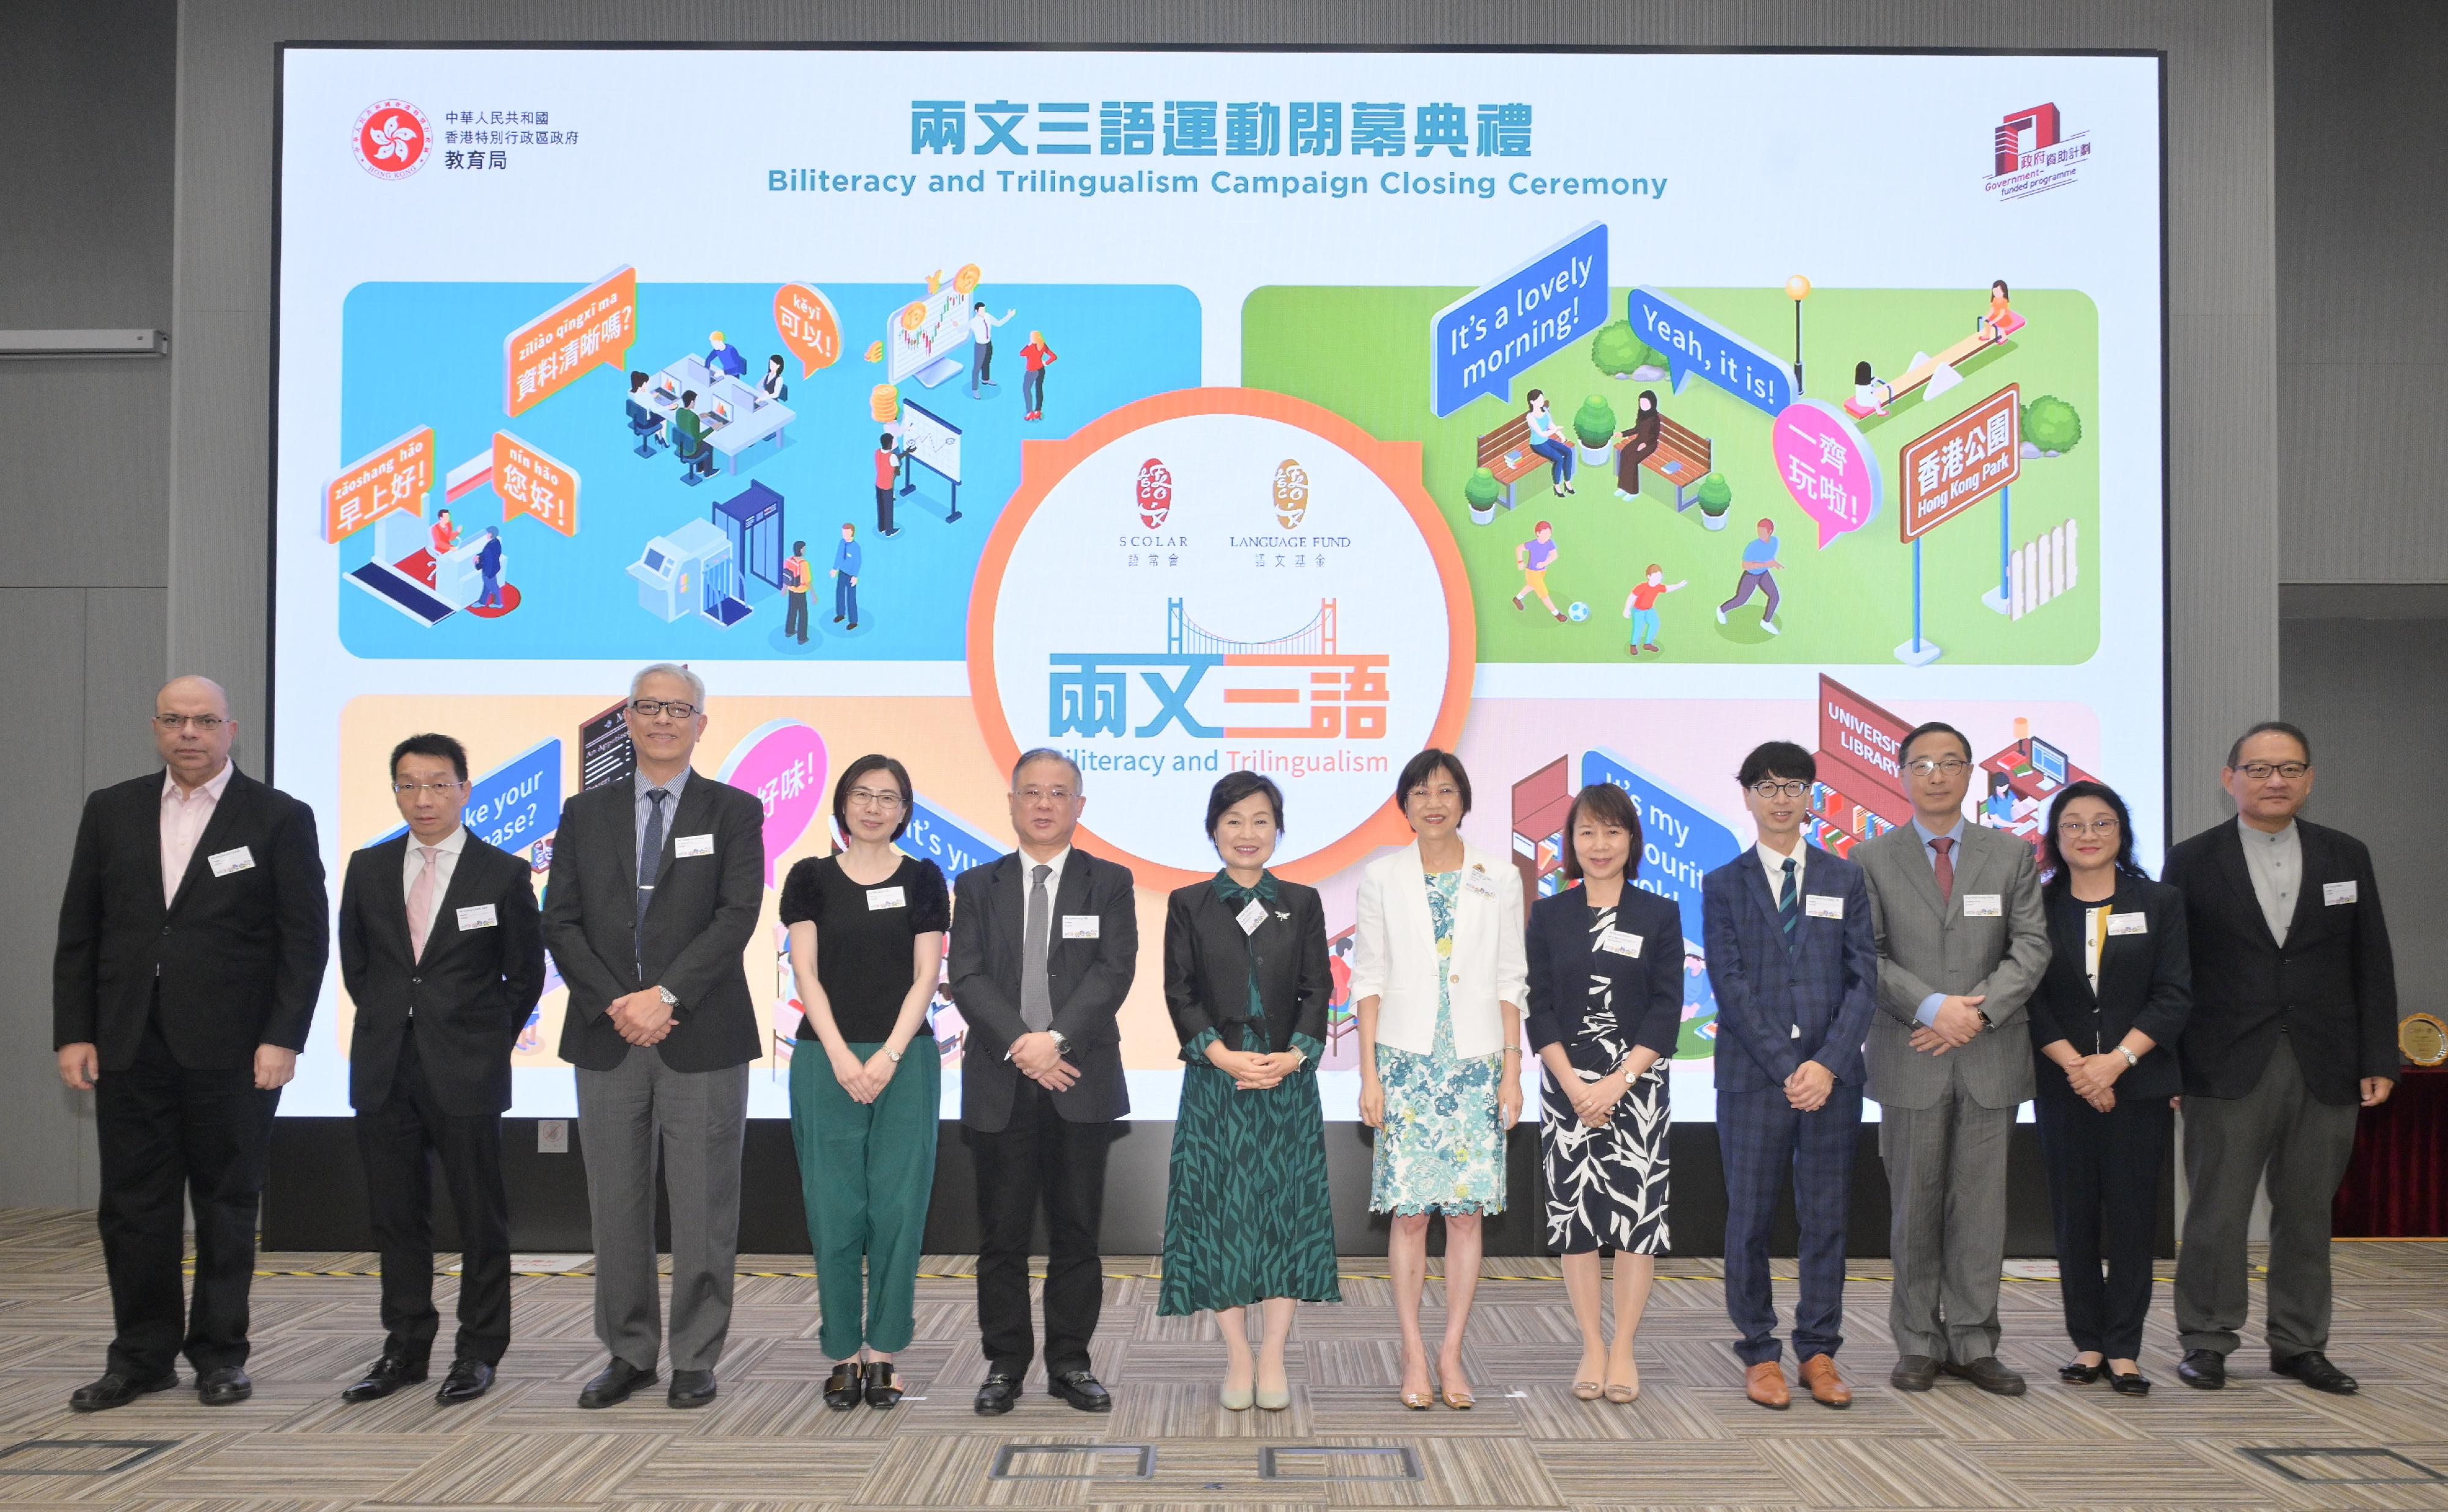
{"x": 1595, "y": 414}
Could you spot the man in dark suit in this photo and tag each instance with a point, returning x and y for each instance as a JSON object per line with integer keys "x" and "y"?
{"x": 2289, "y": 949}
{"x": 191, "y": 949}
{"x": 1794, "y": 963}
{"x": 1963, "y": 942}
{"x": 442, "y": 952}
{"x": 655, "y": 886}
{"x": 1044, "y": 943}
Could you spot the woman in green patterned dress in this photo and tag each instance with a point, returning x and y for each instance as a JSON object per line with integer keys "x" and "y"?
{"x": 1248, "y": 1218}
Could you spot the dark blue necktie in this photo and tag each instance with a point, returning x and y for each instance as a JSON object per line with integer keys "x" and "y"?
{"x": 1789, "y": 905}
{"x": 650, "y": 866}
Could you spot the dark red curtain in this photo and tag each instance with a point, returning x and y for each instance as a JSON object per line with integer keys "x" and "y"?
{"x": 2397, "y": 1187}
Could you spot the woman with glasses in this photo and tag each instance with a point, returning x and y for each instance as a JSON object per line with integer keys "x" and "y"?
{"x": 1606, "y": 1002}
{"x": 2104, "y": 1024}
{"x": 867, "y": 928}
{"x": 1437, "y": 982}
{"x": 1247, "y": 1220}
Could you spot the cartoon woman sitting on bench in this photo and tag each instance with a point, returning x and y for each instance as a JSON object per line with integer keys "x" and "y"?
{"x": 1870, "y": 392}
{"x": 1547, "y": 440}
{"x": 1993, "y": 325}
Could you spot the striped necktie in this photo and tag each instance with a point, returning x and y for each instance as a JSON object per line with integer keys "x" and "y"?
{"x": 1788, "y": 905}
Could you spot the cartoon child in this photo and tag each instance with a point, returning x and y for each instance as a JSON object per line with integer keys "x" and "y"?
{"x": 1641, "y": 608}
{"x": 1993, "y": 324}
{"x": 1534, "y": 557}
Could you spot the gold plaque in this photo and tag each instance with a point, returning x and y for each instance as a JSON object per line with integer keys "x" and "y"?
{"x": 2422, "y": 1040}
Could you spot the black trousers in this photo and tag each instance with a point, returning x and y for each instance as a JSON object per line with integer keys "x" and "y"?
{"x": 2104, "y": 1195}
{"x": 884, "y": 496}
{"x": 399, "y": 1142}
{"x": 167, "y": 1132}
{"x": 1039, "y": 1153}
{"x": 794, "y": 616}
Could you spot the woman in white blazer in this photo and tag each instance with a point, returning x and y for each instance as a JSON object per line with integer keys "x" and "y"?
{"x": 1437, "y": 982}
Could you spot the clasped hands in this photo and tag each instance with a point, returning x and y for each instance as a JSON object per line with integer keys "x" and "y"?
{"x": 642, "y": 1018}
{"x": 1957, "y": 1025}
{"x": 1040, "y": 1060}
{"x": 2093, "y": 1078}
{"x": 865, "y": 1081}
{"x": 1594, "y": 1101}
{"x": 1252, "y": 1071}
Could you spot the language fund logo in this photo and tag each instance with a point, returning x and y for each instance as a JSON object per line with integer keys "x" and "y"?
{"x": 1292, "y": 493}
{"x": 1155, "y": 492}
{"x": 392, "y": 139}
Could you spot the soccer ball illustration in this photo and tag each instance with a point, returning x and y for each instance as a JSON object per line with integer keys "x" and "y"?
{"x": 1578, "y": 612}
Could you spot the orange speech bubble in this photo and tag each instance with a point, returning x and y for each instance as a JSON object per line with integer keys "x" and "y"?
{"x": 810, "y": 328}
{"x": 533, "y": 483}
{"x": 397, "y": 476}
{"x": 591, "y": 328}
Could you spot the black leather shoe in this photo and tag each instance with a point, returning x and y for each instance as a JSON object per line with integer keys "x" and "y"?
{"x": 389, "y": 1374}
{"x": 1988, "y": 1372}
{"x": 613, "y": 1386}
{"x": 2313, "y": 1368}
{"x": 690, "y": 1389}
{"x": 1080, "y": 1389}
{"x": 1913, "y": 1372}
{"x": 2129, "y": 1383}
{"x": 223, "y": 1387}
{"x": 467, "y": 1380}
{"x": 998, "y": 1396}
{"x": 846, "y": 1387}
{"x": 117, "y": 1391}
{"x": 883, "y": 1387}
{"x": 2073, "y": 1372}
{"x": 2205, "y": 1368}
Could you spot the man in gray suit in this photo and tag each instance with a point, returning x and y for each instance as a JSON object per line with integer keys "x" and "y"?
{"x": 657, "y": 882}
{"x": 1962, "y": 943}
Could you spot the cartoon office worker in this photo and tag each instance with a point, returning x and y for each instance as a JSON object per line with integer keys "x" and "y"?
{"x": 1534, "y": 557}
{"x": 981, "y": 347}
{"x": 846, "y": 558}
{"x": 796, "y": 580}
{"x": 1035, "y": 357}
{"x": 721, "y": 357}
{"x": 445, "y": 534}
{"x": 888, "y": 477}
{"x": 772, "y": 386}
{"x": 489, "y": 561}
{"x": 1640, "y": 608}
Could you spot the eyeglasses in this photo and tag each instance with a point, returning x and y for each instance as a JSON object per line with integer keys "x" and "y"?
{"x": 204, "y": 723}
{"x": 2075, "y": 829}
{"x": 885, "y": 799}
{"x": 1046, "y": 795}
{"x": 440, "y": 790}
{"x": 648, "y": 708}
{"x": 1779, "y": 790}
{"x": 2263, "y": 770}
{"x": 1944, "y": 767}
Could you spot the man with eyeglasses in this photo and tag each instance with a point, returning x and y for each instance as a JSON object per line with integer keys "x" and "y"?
{"x": 1963, "y": 940}
{"x": 1044, "y": 943}
{"x": 442, "y": 953}
{"x": 1794, "y": 964}
{"x": 2294, "y": 1028}
{"x": 191, "y": 950}
{"x": 656, "y": 888}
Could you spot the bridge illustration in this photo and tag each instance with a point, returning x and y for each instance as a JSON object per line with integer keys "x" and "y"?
{"x": 1185, "y": 636}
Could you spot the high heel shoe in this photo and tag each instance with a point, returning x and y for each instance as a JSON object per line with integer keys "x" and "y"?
{"x": 1456, "y": 1401}
{"x": 1274, "y": 1399}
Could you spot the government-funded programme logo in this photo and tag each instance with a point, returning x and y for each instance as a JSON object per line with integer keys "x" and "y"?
{"x": 1326, "y": 679}
{"x": 392, "y": 139}
{"x": 2031, "y": 153}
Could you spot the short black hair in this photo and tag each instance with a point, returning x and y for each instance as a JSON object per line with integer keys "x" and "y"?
{"x": 860, "y": 768}
{"x": 1604, "y": 803}
{"x": 1420, "y": 768}
{"x": 689, "y": 398}
{"x": 1903, "y": 752}
{"x": 2235, "y": 751}
{"x": 432, "y": 745}
{"x": 798, "y": 546}
{"x": 1235, "y": 786}
{"x": 1781, "y": 759}
{"x": 777, "y": 358}
{"x": 884, "y": 442}
{"x": 637, "y": 380}
{"x": 2053, "y": 867}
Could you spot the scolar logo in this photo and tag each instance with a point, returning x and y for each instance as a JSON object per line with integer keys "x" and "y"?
{"x": 1320, "y": 663}
{"x": 1155, "y": 490}
{"x": 392, "y": 138}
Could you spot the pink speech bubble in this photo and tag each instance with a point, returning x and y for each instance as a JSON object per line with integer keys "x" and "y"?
{"x": 782, "y": 761}
{"x": 1829, "y": 470}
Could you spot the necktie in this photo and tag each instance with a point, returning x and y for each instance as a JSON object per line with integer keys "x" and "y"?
{"x": 420, "y": 902}
{"x": 1945, "y": 867}
{"x": 1036, "y": 997}
{"x": 1789, "y": 905}
{"x": 650, "y": 866}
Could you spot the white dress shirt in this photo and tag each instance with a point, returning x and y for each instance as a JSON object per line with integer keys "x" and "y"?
{"x": 185, "y": 813}
{"x": 1773, "y": 864}
{"x": 443, "y": 864}
{"x": 1053, "y": 878}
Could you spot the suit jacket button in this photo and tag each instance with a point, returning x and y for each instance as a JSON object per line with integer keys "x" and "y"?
{"x": 165, "y": 928}
{"x": 1457, "y": 976}
{"x": 415, "y": 981}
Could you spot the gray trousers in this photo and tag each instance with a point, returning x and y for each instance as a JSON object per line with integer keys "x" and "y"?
{"x": 1946, "y": 1191}
{"x": 699, "y": 1118}
{"x": 2302, "y": 1146}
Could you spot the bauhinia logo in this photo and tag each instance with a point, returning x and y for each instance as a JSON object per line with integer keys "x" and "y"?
{"x": 392, "y": 139}
{"x": 2031, "y": 153}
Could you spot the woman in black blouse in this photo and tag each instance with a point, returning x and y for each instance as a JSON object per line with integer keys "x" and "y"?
{"x": 2104, "y": 1024}
{"x": 1606, "y": 1002}
{"x": 867, "y": 946}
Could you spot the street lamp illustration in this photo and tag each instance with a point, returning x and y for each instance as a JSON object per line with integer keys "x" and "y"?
{"x": 1797, "y": 289}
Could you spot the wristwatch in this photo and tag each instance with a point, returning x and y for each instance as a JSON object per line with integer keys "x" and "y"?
{"x": 2130, "y": 1059}
{"x": 1061, "y": 1042}
{"x": 1986, "y": 1024}
{"x": 669, "y": 1001}
{"x": 893, "y": 1055}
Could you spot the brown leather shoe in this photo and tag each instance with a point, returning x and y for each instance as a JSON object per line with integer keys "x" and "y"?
{"x": 1828, "y": 1388}
{"x": 1763, "y": 1382}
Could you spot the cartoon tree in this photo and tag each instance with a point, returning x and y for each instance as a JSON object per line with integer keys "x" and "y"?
{"x": 1715, "y": 495}
{"x": 1618, "y": 351}
{"x": 2052, "y": 425}
{"x": 1482, "y": 490}
{"x": 1594, "y": 422}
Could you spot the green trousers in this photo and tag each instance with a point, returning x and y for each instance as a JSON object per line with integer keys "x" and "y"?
{"x": 866, "y": 1173}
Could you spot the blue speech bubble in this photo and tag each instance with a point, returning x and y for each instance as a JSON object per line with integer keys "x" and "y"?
{"x": 1681, "y": 843}
{"x": 934, "y": 836}
{"x": 1531, "y": 312}
{"x": 1697, "y": 347}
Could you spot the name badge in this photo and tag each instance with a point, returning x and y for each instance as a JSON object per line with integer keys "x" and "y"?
{"x": 1081, "y": 925}
{"x": 1615, "y": 941}
{"x": 1820, "y": 906}
{"x": 242, "y": 859}
{"x": 2332, "y": 894}
{"x": 2129, "y": 923}
{"x": 479, "y": 917}
{"x": 1983, "y": 905}
{"x": 693, "y": 845}
{"x": 1250, "y": 917}
{"x": 883, "y": 898}
{"x": 1478, "y": 882}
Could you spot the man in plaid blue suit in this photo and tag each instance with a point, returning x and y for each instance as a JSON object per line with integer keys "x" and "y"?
{"x": 1795, "y": 964}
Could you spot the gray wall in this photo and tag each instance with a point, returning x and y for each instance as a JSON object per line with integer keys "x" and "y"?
{"x": 87, "y": 92}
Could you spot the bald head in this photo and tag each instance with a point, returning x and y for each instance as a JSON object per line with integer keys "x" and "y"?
{"x": 192, "y": 729}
